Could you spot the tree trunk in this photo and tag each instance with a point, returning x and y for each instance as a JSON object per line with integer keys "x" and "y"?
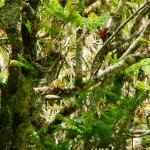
{"x": 17, "y": 99}
{"x": 78, "y": 72}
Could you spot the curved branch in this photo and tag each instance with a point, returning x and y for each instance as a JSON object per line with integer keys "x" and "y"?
{"x": 97, "y": 80}
{"x": 108, "y": 72}
{"x": 137, "y": 21}
{"x": 51, "y": 97}
{"x": 29, "y": 8}
{"x": 97, "y": 62}
{"x": 147, "y": 120}
{"x": 137, "y": 43}
{"x": 139, "y": 133}
{"x": 4, "y": 40}
{"x": 96, "y": 5}
{"x": 116, "y": 19}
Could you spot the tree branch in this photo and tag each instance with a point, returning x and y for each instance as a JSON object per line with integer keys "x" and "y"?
{"x": 64, "y": 112}
{"x": 139, "y": 133}
{"x": 97, "y": 80}
{"x": 29, "y": 9}
{"x": 51, "y": 97}
{"x": 4, "y": 40}
{"x": 96, "y": 5}
{"x": 102, "y": 51}
{"x": 116, "y": 19}
{"x": 147, "y": 120}
{"x": 137, "y": 43}
{"x": 137, "y": 21}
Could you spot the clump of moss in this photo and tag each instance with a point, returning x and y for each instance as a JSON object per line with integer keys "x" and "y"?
{"x": 146, "y": 141}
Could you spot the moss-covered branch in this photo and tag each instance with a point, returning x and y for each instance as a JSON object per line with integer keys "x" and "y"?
{"x": 138, "y": 42}
{"x": 104, "y": 50}
{"x": 97, "y": 80}
{"x": 116, "y": 18}
{"x": 95, "y": 6}
{"x": 137, "y": 22}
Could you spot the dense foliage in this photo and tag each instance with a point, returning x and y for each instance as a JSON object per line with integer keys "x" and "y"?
{"x": 74, "y": 74}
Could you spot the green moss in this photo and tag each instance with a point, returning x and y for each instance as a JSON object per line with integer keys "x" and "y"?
{"x": 78, "y": 80}
{"x": 24, "y": 93}
{"x": 146, "y": 141}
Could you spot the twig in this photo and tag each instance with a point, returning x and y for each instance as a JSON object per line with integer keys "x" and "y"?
{"x": 70, "y": 37}
{"x": 147, "y": 120}
{"x": 138, "y": 19}
{"x": 97, "y": 80}
{"x": 123, "y": 24}
{"x": 4, "y": 40}
{"x": 30, "y": 9}
{"x": 116, "y": 19}
{"x": 102, "y": 50}
{"x": 51, "y": 97}
{"x": 96, "y": 5}
{"x": 136, "y": 43}
{"x": 139, "y": 133}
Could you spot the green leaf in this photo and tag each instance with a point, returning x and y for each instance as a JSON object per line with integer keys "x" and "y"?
{"x": 130, "y": 4}
{"x": 22, "y": 62}
{"x": 4, "y": 76}
{"x": 144, "y": 40}
{"x": 28, "y": 24}
{"x": 142, "y": 85}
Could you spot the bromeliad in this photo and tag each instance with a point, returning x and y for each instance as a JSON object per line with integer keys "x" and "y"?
{"x": 102, "y": 33}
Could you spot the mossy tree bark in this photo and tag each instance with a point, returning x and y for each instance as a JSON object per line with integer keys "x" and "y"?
{"x": 17, "y": 101}
{"x": 78, "y": 72}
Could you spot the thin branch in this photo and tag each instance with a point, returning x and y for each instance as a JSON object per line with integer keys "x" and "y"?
{"x": 120, "y": 6}
{"x": 103, "y": 48}
{"x": 51, "y": 97}
{"x": 137, "y": 42}
{"x": 137, "y": 21}
{"x": 4, "y": 40}
{"x": 97, "y": 80}
{"x": 66, "y": 111}
{"x": 29, "y": 8}
{"x": 147, "y": 120}
{"x": 86, "y": 63}
{"x": 130, "y": 18}
{"x": 41, "y": 89}
{"x": 96, "y": 5}
{"x": 70, "y": 37}
{"x": 139, "y": 133}
{"x": 1, "y": 14}
{"x": 42, "y": 35}
{"x": 123, "y": 24}
{"x": 116, "y": 19}
{"x": 117, "y": 67}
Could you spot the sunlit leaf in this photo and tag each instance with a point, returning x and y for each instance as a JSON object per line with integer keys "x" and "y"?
{"x": 4, "y": 77}
{"x": 142, "y": 85}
